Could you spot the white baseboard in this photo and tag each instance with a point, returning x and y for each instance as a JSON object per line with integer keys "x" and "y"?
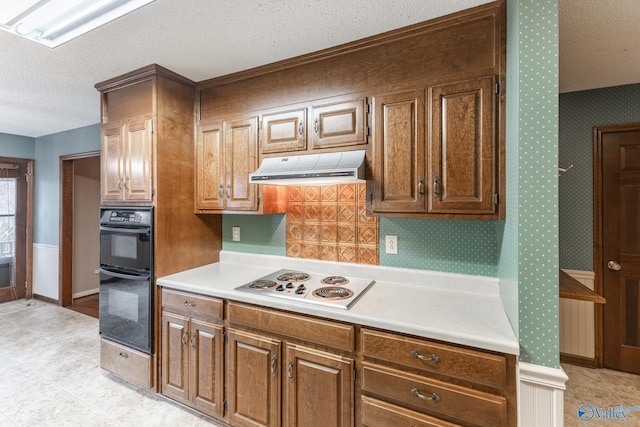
{"x": 45, "y": 270}
{"x": 541, "y": 395}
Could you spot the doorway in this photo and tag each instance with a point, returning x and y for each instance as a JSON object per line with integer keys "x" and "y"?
{"x": 79, "y": 239}
{"x": 617, "y": 244}
{"x": 16, "y": 235}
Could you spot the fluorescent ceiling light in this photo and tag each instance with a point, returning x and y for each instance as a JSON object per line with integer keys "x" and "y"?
{"x": 54, "y": 22}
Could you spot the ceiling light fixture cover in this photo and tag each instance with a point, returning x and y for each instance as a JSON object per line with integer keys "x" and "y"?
{"x": 54, "y": 22}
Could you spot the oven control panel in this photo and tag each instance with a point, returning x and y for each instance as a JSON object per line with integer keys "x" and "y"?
{"x": 135, "y": 217}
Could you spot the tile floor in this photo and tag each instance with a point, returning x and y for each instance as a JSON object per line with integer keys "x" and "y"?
{"x": 601, "y": 389}
{"x": 50, "y": 375}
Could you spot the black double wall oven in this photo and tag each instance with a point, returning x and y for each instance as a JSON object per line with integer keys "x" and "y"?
{"x": 126, "y": 276}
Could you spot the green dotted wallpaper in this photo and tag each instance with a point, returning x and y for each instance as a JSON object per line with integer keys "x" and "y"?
{"x": 468, "y": 247}
{"x": 536, "y": 142}
{"x": 579, "y": 113}
{"x": 259, "y": 234}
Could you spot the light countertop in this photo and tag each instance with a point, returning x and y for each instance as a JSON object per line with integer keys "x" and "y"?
{"x": 456, "y": 308}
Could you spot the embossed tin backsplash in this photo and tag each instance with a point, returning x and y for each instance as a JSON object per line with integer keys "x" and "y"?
{"x": 328, "y": 222}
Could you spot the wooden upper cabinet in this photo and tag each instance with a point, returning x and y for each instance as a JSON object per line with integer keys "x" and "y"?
{"x": 127, "y": 161}
{"x": 284, "y": 131}
{"x": 337, "y": 124}
{"x": 399, "y": 153}
{"x": 138, "y": 159}
{"x": 241, "y": 158}
{"x": 210, "y": 171}
{"x": 226, "y": 153}
{"x": 462, "y": 147}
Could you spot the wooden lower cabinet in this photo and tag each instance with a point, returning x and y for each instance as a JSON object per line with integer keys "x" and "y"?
{"x": 417, "y": 381}
{"x": 288, "y": 369}
{"x": 192, "y": 361}
{"x": 127, "y": 363}
{"x": 254, "y": 379}
{"x": 319, "y": 388}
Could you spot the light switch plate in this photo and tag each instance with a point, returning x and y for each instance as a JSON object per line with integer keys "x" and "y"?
{"x": 236, "y": 234}
{"x": 391, "y": 244}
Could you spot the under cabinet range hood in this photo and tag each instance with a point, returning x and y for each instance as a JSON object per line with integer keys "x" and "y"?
{"x": 310, "y": 169}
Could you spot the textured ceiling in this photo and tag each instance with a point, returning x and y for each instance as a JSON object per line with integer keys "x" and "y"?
{"x": 44, "y": 91}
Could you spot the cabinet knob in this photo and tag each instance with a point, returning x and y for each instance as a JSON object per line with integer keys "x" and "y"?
{"x": 122, "y": 355}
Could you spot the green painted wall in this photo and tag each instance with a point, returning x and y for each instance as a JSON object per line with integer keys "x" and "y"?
{"x": 22, "y": 147}
{"x": 579, "y": 113}
{"x": 259, "y": 234}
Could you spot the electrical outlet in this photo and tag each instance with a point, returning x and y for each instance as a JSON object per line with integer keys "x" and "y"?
{"x": 391, "y": 244}
{"x": 236, "y": 234}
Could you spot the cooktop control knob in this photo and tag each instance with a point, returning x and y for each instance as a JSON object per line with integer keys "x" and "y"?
{"x": 280, "y": 288}
{"x": 289, "y": 285}
{"x": 302, "y": 288}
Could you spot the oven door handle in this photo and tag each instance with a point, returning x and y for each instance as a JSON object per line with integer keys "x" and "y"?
{"x": 124, "y": 276}
{"x": 135, "y": 230}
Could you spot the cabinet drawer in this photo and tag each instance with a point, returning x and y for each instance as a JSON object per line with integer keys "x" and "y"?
{"x": 125, "y": 362}
{"x": 319, "y": 331}
{"x": 471, "y": 365}
{"x": 192, "y": 305}
{"x": 433, "y": 396}
{"x": 376, "y": 413}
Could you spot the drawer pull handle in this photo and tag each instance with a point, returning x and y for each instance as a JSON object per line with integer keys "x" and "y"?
{"x": 433, "y": 396}
{"x": 433, "y": 358}
{"x": 274, "y": 360}
{"x": 122, "y": 355}
{"x": 290, "y": 370}
{"x": 189, "y": 304}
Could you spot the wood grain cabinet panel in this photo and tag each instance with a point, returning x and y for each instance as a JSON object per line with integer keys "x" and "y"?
{"x": 435, "y": 397}
{"x": 318, "y": 386}
{"x": 127, "y": 363}
{"x": 192, "y": 352}
{"x": 210, "y": 171}
{"x": 399, "y": 159}
{"x": 377, "y": 413}
{"x": 241, "y": 158}
{"x": 337, "y": 124}
{"x": 471, "y": 365}
{"x": 462, "y": 147}
{"x": 254, "y": 379}
{"x": 284, "y": 131}
{"x": 126, "y": 161}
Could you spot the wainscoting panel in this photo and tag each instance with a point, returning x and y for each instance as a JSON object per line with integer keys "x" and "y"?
{"x": 45, "y": 271}
{"x": 577, "y": 322}
{"x": 541, "y": 401}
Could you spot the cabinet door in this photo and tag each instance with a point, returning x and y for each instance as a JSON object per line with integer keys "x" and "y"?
{"x": 338, "y": 124}
{"x": 138, "y": 185}
{"x": 112, "y": 159}
{"x": 241, "y": 158}
{"x": 254, "y": 380}
{"x": 210, "y": 169}
{"x": 284, "y": 131}
{"x": 318, "y": 386}
{"x": 175, "y": 356}
{"x": 206, "y": 380}
{"x": 399, "y": 155}
{"x": 462, "y": 145}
